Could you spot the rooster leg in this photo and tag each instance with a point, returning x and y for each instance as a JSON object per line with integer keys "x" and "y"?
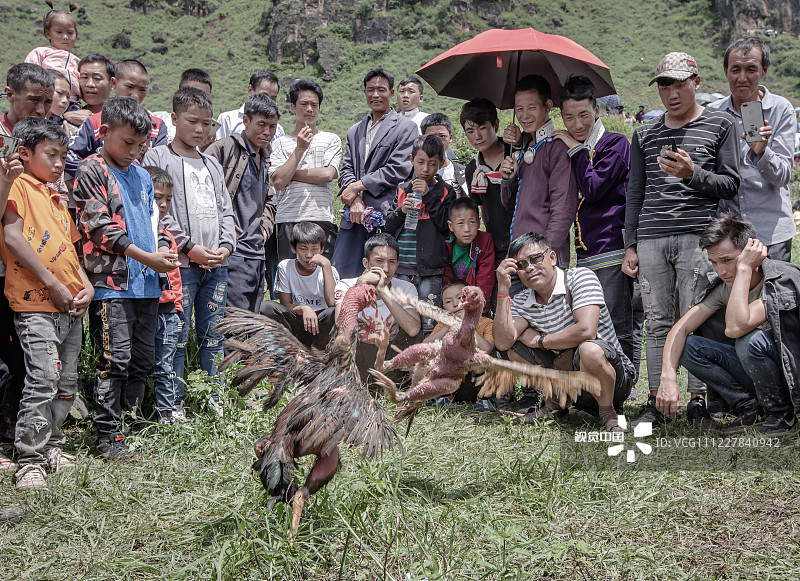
{"x": 321, "y": 473}
{"x": 413, "y": 354}
{"x": 297, "y": 510}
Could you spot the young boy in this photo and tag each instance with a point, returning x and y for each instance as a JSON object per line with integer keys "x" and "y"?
{"x": 451, "y": 301}
{"x": 470, "y": 252}
{"x": 305, "y": 287}
{"x": 409, "y": 96}
{"x": 49, "y": 292}
{"x": 480, "y": 123}
{"x": 452, "y": 172}
{"x": 201, "y": 220}
{"x": 167, "y": 390}
{"x": 245, "y": 159}
{"x": 419, "y": 222}
{"x": 123, "y": 255}
{"x": 538, "y": 186}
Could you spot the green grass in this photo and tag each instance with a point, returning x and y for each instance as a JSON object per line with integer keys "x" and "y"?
{"x": 476, "y": 496}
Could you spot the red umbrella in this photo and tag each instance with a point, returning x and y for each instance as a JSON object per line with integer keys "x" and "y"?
{"x": 490, "y": 64}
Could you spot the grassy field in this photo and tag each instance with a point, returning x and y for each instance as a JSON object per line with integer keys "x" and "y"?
{"x": 476, "y": 496}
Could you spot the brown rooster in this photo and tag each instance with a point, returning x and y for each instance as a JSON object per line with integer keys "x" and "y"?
{"x": 332, "y": 408}
{"x": 442, "y": 366}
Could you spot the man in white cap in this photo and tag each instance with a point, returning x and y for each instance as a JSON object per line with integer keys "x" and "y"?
{"x": 682, "y": 164}
{"x": 765, "y": 166}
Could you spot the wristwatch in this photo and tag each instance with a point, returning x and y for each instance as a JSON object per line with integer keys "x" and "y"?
{"x": 541, "y": 340}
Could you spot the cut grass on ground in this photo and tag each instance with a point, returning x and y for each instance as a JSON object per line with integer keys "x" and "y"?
{"x": 476, "y": 496}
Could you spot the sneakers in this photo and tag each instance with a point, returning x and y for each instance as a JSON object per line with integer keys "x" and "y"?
{"x": 524, "y": 405}
{"x": 6, "y": 464}
{"x": 30, "y": 477}
{"x": 649, "y": 413}
{"x": 216, "y": 407}
{"x": 58, "y": 460}
{"x": 116, "y": 450}
{"x": 443, "y": 401}
{"x": 166, "y": 421}
{"x": 745, "y": 419}
{"x": 179, "y": 414}
{"x": 484, "y": 405}
{"x": 778, "y": 424}
{"x": 697, "y": 415}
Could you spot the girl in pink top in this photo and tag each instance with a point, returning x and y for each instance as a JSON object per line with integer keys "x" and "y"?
{"x": 61, "y": 30}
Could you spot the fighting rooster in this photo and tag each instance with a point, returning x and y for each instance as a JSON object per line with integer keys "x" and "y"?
{"x": 440, "y": 367}
{"x": 332, "y": 408}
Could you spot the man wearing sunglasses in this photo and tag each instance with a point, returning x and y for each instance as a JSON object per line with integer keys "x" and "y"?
{"x": 560, "y": 321}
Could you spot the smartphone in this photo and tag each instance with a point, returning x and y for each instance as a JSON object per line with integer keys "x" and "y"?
{"x": 9, "y": 145}
{"x": 753, "y": 120}
{"x": 666, "y": 144}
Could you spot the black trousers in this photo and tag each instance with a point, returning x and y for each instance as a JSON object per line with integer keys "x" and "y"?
{"x": 124, "y": 334}
{"x": 12, "y": 369}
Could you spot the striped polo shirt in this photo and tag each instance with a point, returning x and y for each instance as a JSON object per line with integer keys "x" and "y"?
{"x": 660, "y": 205}
{"x": 556, "y": 315}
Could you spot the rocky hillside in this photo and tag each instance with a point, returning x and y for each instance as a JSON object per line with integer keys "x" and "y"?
{"x": 336, "y": 41}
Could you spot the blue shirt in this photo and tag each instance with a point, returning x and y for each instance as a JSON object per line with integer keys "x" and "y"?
{"x": 136, "y": 192}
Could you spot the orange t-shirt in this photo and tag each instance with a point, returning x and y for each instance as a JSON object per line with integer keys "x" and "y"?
{"x": 50, "y": 231}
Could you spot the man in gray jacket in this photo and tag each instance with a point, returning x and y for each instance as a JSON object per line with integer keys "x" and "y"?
{"x": 244, "y": 158}
{"x": 377, "y": 158}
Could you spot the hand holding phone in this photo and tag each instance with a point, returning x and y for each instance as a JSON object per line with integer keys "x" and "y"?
{"x": 8, "y": 146}
{"x": 753, "y": 121}
{"x": 667, "y": 145}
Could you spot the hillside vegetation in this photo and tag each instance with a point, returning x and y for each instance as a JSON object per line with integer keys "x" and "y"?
{"x": 327, "y": 40}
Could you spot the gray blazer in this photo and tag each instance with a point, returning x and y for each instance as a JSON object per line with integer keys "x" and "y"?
{"x": 387, "y": 164}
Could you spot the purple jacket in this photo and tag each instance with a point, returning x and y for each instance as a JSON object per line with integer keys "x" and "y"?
{"x": 603, "y": 183}
{"x": 548, "y": 197}
{"x": 387, "y": 165}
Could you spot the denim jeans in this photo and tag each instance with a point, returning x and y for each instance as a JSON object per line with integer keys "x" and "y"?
{"x": 429, "y": 289}
{"x": 123, "y": 331}
{"x": 245, "y": 283}
{"x": 167, "y": 390}
{"x": 672, "y": 272}
{"x": 746, "y": 375}
{"x": 204, "y": 291}
{"x": 51, "y": 343}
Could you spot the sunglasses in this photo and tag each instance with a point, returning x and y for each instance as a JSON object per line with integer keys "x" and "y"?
{"x": 533, "y": 259}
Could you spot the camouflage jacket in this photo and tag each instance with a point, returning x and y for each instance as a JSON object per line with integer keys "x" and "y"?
{"x": 101, "y": 221}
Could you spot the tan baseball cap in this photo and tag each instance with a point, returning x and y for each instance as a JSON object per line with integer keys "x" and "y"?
{"x": 678, "y": 66}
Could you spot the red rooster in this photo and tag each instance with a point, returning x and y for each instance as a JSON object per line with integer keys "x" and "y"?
{"x": 440, "y": 367}
{"x": 333, "y": 407}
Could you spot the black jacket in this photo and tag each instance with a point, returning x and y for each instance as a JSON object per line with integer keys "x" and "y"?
{"x": 432, "y": 230}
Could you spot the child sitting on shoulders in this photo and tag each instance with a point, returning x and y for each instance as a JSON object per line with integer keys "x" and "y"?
{"x": 49, "y": 293}
{"x": 167, "y": 390}
{"x": 305, "y": 287}
{"x": 61, "y": 30}
{"x": 467, "y": 391}
{"x": 419, "y": 223}
{"x": 470, "y": 251}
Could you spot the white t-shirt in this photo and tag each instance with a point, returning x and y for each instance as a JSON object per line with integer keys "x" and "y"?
{"x": 305, "y": 290}
{"x": 369, "y": 317}
{"x": 298, "y": 201}
{"x": 200, "y": 197}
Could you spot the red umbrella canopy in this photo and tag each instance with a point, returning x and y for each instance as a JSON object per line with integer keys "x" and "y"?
{"x": 490, "y": 64}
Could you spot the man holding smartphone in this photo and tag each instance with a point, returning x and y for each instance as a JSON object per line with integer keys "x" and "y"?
{"x": 765, "y": 159}
{"x": 673, "y": 193}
